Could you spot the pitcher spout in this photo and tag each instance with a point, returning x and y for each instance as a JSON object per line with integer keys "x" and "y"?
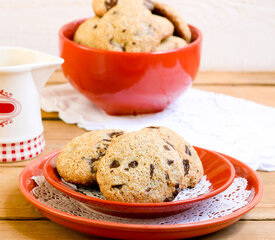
{"x": 42, "y": 72}
{"x": 15, "y": 60}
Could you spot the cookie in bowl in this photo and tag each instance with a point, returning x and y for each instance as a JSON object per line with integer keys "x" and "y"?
{"x": 100, "y": 7}
{"x": 85, "y": 32}
{"x": 127, "y": 27}
{"x": 181, "y": 27}
{"x": 77, "y": 162}
{"x": 138, "y": 168}
{"x": 171, "y": 43}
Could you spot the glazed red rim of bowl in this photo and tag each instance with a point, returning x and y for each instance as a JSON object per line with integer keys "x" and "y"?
{"x": 35, "y": 168}
{"x": 71, "y": 28}
{"x": 219, "y": 169}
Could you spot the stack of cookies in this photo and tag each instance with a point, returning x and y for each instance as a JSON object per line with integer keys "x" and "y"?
{"x": 146, "y": 166}
{"x": 133, "y": 26}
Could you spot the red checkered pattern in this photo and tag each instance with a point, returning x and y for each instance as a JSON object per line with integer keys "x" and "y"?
{"x": 13, "y": 152}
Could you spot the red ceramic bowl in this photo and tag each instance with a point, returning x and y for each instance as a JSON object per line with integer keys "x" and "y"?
{"x": 136, "y": 231}
{"x": 219, "y": 171}
{"x": 129, "y": 83}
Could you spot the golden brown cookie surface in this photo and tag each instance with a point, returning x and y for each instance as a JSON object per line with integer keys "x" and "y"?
{"x": 171, "y": 43}
{"x": 129, "y": 26}
{"x": 78, "y": 160}
{"x": 192, "y": 164}
{"x": 102, "y": 6}
{"x": 181, "y": 27}
{"x": 141, "y": 167}
{"x": 84, "y": 33}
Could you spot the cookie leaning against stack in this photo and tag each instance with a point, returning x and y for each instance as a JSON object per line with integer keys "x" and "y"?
{"x": 77, "y": 161}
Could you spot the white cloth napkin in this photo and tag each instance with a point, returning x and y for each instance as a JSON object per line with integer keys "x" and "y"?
{"x": 242, "y": 129}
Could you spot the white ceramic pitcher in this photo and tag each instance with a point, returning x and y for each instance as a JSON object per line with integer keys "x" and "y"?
{"x": 23, "y": 73}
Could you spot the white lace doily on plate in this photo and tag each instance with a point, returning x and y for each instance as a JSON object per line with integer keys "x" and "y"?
{"x": 233, "y": 198}
{"x": 201, "y": 188}
{"x": 242, "y": 129}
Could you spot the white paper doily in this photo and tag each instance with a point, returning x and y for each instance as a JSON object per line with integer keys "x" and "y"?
{"x": 201, "y": 188}
{"x": 236, "y": 127}
{"x": 233, "y": 198}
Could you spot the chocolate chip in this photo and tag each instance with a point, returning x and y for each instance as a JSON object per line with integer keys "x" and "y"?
{"x": 148, "y": 189}
{"x": 186, "y": 166}
{"x": 124, "y": 30}
{"x": 152, "y": 168}
{"x": 177, "y": 189}
{"x": 93, "y": 170}
{"x": 106, "y": 147}
{"x": 118, "y": 186}
{"x": 170, "y": 144}
{"x": 170, "y": 199}
{"x": 111, "y": 171}
{"x": 153, "y": 127}
{"x": 107, "y": 140}
{"x": 187, "y": 150}
{"x": 167, "y": 176}
{"x": 95, "y": 26}
{"x": 166, "y": 147}
{"x": 126, "y": 169}
{"x": 115, "y": 134}
{"x": 114, "y": 164}
{"x": 169, "y": 162}
{"x": 90, "y": 159}
{"x": 110, "y": 3}
{"x": 133, "y": 164}
{"x": 133, "y": 43}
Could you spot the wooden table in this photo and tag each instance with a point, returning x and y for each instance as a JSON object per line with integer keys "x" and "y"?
{"x": 20, "y": 220}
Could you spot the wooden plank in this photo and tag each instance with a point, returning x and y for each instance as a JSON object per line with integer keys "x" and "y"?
{"x": 235, "y": 78}
{"x": 40, "y": 229}
{"x": 14, "y": 206}
{"x": 44, "y": 230}
{"x": 208, "y": 78}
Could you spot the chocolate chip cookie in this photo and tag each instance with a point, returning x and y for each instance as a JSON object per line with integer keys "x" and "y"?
{"x": 129, "y": 26}
{"x": 193, "y": 169}
{"x": 84, "y": 33}
{"x": 171, "y": 43}
{"x": 102, "y": 6}
{"x": 181, "y": 27}
{"x": 78, "y": 160}
{"x": 141, "y": 167}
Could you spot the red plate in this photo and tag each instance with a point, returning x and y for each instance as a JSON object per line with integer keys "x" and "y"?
{"x": 123, "y": 231}
{"x": 220, "y": 172}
